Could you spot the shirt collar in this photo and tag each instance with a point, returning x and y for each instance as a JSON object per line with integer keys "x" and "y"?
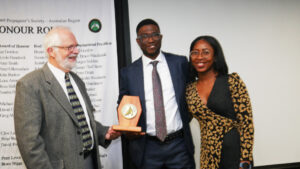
{"x": 59, "y": 74}
{"x": 160, "y": 58}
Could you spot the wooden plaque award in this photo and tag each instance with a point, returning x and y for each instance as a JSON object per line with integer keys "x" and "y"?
{"x": 129, "y": 112}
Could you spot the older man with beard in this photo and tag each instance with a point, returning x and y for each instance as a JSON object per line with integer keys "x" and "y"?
{"x": 54, "y": 122}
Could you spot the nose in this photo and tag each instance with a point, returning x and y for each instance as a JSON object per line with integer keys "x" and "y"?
{"x": 200, "y": 55}
{"x": 150, "y": 39}
{"x": 76, "y": 50}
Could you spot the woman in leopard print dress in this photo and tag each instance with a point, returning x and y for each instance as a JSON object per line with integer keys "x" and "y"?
{"x": 220, "y": 102}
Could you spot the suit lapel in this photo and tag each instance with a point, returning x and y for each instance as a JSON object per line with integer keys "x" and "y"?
{"x": 174, "y": 74}
{"x": 139, "y": 79}
{"x": 58, "y": 93}
{"x": 137, "y": 73}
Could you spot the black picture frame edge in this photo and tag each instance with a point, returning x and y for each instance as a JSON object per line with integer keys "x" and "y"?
{"x": 124, "y": 59}
{"x": 123, "y": 33}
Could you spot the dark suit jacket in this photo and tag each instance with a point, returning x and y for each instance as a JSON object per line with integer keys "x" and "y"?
{"x": 132, "y": 83}
{"x": 47, "y": 131}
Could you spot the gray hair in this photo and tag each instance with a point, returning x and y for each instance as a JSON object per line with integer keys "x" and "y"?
{"x": 52, "y": 38}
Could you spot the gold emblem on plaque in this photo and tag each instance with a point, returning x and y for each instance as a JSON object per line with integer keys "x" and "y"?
{"x": 129, "y": 111}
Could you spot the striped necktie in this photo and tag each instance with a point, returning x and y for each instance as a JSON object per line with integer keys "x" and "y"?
{"x": 160, "y": 119}
{"x": 85, "y": 131}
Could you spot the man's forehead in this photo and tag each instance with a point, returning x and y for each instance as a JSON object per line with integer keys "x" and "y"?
{"x": 148, "y": 28}
{"x": 68, "y": 37}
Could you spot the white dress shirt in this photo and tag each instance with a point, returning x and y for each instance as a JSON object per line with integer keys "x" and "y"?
{"x": 173, "y": 119}
{"x": 60, "y": 77}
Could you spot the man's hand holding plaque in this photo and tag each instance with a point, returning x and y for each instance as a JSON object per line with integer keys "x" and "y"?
{"x": 129, "y": 112}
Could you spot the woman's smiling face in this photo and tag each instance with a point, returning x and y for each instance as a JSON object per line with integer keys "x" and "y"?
{"x": 202, "y": 56}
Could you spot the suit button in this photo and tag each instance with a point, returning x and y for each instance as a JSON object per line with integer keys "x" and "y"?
{"x": 78, "y": 132}
{"x": 81, "y": 153}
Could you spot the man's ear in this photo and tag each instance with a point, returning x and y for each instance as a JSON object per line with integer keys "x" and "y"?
{"x": 138, "y": 41}
{"x": 50, "y": 51}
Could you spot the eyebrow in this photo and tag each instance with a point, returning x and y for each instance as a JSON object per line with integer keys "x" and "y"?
{"x": 202, "y": 49}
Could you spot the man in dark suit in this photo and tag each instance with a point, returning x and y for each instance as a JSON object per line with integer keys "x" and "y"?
{"x": 54, "y": 122}
{"x": 163, "y": 104}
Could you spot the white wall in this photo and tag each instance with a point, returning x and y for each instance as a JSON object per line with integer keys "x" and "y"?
{"x": 260, "y": 39}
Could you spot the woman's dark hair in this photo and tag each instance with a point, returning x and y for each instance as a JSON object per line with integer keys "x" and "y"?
{"x": 219, "y": 64}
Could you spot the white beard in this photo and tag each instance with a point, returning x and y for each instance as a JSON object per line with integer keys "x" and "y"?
{"x": 64, "y": 63}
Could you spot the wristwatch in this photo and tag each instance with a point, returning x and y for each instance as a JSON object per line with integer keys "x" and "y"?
{"x": 245, "y": 165}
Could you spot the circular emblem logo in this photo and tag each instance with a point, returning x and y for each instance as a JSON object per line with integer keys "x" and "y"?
{"x": 95, "y": 25}
{"x": 129, "y": 111}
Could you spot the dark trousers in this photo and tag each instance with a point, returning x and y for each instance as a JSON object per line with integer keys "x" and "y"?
{"x": 170, "y": 155}
{"x": 90, "y": 159}
{"x": 88, "y": 162}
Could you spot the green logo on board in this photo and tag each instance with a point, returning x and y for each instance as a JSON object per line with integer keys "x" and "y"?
{"x": 95, "y": 25}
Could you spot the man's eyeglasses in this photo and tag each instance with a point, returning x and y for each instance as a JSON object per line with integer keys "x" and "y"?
{"x": 203, "y": 53}
{"x": 146, "y": 37}
{"x": 69, "y": 48}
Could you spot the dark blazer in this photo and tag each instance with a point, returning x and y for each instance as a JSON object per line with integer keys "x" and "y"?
{"x": 47, "y": 131}
{"x": 132, "y": 83}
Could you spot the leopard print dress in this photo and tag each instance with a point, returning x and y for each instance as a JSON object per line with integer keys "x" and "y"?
{"x": 214, "y": 126}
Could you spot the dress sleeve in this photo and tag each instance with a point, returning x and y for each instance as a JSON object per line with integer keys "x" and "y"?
{"x": 242, "y": 106}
